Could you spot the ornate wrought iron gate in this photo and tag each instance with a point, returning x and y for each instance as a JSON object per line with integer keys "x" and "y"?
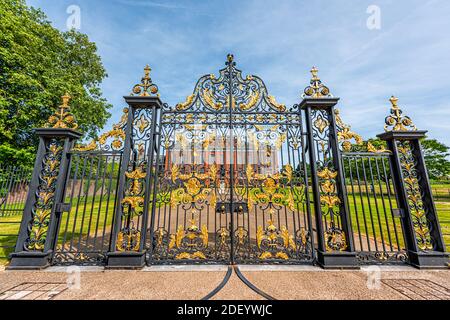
{"x": 231, "y": 177}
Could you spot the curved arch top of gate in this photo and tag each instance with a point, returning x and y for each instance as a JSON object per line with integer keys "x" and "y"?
{"x": 230, "y": 92}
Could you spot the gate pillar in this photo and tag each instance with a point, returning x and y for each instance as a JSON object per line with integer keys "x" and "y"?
{"x": 335, "y": 241}
{"x": 39, "y": 224}
{"x": 423, "y": 235}
{"x": 137, "y": 173}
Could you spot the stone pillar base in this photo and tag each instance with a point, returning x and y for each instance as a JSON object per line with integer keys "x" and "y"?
{"x": 429, "y": 260}
{"x": 337, "y": 260}
{"x": 29, "y": 260}
{"x": 125, "y": 260}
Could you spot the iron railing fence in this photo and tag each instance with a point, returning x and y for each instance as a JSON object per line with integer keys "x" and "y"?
{"x": 376, "y": 225}
{"x": 90, "y": 197}
{"x": 13, "y": 193}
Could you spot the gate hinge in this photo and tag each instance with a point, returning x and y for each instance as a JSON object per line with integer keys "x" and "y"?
{"x": 63, "y": 207}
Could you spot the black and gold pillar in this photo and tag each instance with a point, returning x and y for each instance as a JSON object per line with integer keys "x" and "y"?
{"x": 39, "y": 224}
{"x": 335, "y": 242}
{"x": 137, "y": 176}
{"x": 423, "y": 235}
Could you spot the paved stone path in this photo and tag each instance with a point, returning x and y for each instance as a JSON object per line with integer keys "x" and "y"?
{"x": 195, "y": 282}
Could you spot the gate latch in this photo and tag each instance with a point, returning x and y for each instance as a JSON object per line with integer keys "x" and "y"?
{"x": 63, "y": 207}
{"x": 225, "y": 207}
{"x": 400, "y": 213}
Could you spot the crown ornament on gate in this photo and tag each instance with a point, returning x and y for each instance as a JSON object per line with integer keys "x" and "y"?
{"x": 62, "y": 118}
{"x": 396, "y": 121}
{"x": 146, "y": 88}
{"x": 316, "y": 89}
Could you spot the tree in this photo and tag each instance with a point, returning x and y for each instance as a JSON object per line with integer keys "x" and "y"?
{"x": 435, "y": 155}
{"x": 38, "y": 64}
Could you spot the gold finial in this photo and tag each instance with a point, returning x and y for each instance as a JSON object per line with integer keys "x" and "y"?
{"x": 316, "y": 89}
{"x": 146, "y": 88}
{"x": 63, "y": 118}
{"x": 230, "y": 60}
{"x": 396, "y": 121}
{"x": 314, "y": 72}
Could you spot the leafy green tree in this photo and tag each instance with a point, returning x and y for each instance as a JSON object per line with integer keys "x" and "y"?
{"x": 38, "y": 64}
{"x": 436, "y": 158}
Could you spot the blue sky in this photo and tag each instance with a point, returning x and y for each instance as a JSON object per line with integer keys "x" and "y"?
{"x": 409, "y": 56}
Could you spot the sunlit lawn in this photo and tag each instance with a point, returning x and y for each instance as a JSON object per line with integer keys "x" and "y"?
{"x": 92, "y": 219}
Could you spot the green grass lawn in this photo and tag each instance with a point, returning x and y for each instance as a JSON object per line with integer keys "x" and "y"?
{"x": 92, "y": 218}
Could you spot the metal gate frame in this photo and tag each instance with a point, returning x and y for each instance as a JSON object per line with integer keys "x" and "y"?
{"x": 138, "y": 138}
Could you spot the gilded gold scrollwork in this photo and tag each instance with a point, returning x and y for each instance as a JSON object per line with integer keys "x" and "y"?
{"x": 117, "y": 133}
{"x": 414, "y": 194}
{"x": 63, "y": 118}
{"x": 189, "y": 243}
{"x": 345, "y": 135}
{"x": 44, "y": 202}
{"x": 396, "y": 121}
{"x": 330, "y": 201}
{"x": 146, "y": 88}
{"x": 316, "y": 89}
{"x": 268, "y": 241}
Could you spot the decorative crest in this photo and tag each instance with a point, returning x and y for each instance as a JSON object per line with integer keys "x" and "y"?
{"x": 146, "y": 88}
{"x": 316, "y": 89}
{"x": 213, "y": 93}
{"x": 63, "y": 118}
{"x": 396, "y": 121}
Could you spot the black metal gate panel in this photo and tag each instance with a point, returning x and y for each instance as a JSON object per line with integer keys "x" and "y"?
{"x": 230, "y": 177}
{"x": 376, "y": 220}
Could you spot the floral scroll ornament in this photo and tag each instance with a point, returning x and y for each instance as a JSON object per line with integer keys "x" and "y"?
{"x": 396, "y": 121}
{"x": 249, "y": 93}
{"x": 334, "y": 236}
{"x": 414, "y": 194}
{"x": 146, "y": 88}
{"x": 129, "y": 237}
{"x": 316, "y": 89}
{"x": 110, "y": 140}
{"x": 189, "y": 243}
{"x": 43, "y": 205}
{"x": 345, "y": 135}
{"x": 63, "y": 118}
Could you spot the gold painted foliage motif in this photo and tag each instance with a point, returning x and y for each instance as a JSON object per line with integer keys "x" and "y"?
{"x": 270, "y": 238}
{"x": 42, "y": 207}
{"x": 210, "y": 101}
{"x": 146, "y": 88}
{"x": 184, "y": 244}
{"x": 193, "y": 186}
{"x": 316, "y": 89}
{"x": 185, "y": 105}
{"x": 117, "y": 133}
{"x": 271, "y": 189}
{"x": 335, "y": 239}
{"x": 133, "y": 198}
{"x": 254, "y": 98}
{"x": 396, "y": 121}
{"x": 415, "y": 202}
{"x": 128, "y": 239}
{"x": 371, "y": 148}
{"x": 63, "y": 118}
{"x": 248, "y": 93}
{"x": 334, "y": 236}
{"x": 345, "y": 135}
